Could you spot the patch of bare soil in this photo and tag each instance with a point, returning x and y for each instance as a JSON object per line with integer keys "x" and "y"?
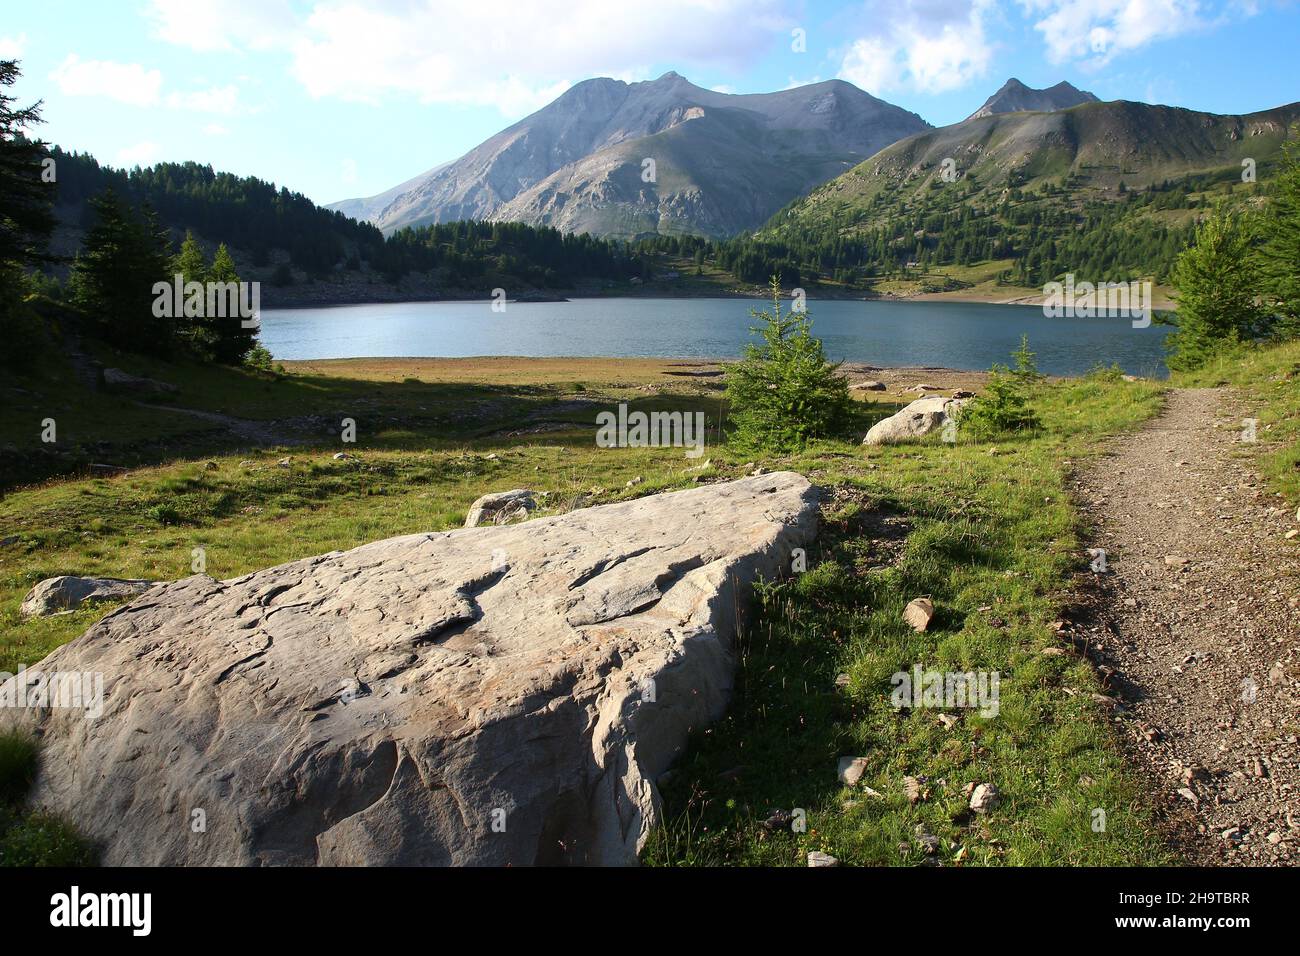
{"x": 1197, "y": 627}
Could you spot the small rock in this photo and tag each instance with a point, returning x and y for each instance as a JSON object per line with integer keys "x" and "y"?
{"x": 1187, "y": 793}
{"x": 817, "y": 858}
{"x": 778, "y": 820}
{"x": 912, "y": 789}
{"x": 1053, "y": 652}
{"x": 963, "y": 393}
{"x": 1294, "y": 532}
{"x": 841, "y": 680}
{"x": 633, "y": 482}
{"x": 117, "y": 380}
{"x": 870, "y": 386}
{"x": 500, "y": 507}
{"x": 341, "y": 456}
{"x": 985, "y": 797}
{"x": 919, "y": 613}
{"x": 1176, "y": 561}
{"x": 285, "y": 462}
{"x": 851, "y": 770}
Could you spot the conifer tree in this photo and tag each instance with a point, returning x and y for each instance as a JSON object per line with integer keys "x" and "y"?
{"x": 1280, "y": 252}
{"x": 1218, "y": 279}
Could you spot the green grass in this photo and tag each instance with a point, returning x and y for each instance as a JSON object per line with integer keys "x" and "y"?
{"x": 32, "y": 838}
{"x": 1268, "y": 379}
{"x": 992, "y": 538}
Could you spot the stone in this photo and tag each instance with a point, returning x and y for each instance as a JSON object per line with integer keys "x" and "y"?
{"x": 68, "y": 592}
{"x": 851, "y": 770}
{"x": 870, "y": 386}
{"x": 118, "y": 380}
{"x": 817, "y": 858}
{"x": 912, "y": 789}
{"x": 500, "y": 507}
{"x": 985, "y": 797}
{"x": 916, "y": 419}
{"x": 502, "y": 695}
{"x": 963, "y": 393}
{"x": 919, "y": 613}
{"x": 1176, "y": 561}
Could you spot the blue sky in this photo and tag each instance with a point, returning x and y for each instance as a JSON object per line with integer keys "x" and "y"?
{"x": 342, "y": 98}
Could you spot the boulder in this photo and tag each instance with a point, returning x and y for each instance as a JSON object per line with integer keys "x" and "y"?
{"x": 916, "y": 419}
{"x": 870, "y": 386}
{"x": 503, "y": 695}
{"x": 67, "y": 593}
{"x": 500, "y": 507}
{"x": 118, "y": 380}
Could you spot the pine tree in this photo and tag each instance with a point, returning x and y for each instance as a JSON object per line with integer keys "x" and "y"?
{"x": 231, "y": 342}
{"x": 189, "y": 262}
{"x": 1280, "y": 252}
{"x": 1217, "y": 279}
{"x": 26, "y": 217}
{"x": 112, "y": 280}
{"x": 784, "y": 392}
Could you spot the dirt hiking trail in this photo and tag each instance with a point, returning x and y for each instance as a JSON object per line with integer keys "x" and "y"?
{"x": 1198, "y": 630}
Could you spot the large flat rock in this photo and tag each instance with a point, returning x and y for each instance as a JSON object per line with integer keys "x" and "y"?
{"x": 496, "y": 695}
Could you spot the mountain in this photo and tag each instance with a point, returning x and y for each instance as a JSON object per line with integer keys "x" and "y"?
{"x": 1106, "y": 190}
{"x": 1015, "y": 97}
{"x": 722, "y": 162}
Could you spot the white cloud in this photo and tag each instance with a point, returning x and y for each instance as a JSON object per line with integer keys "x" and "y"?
{"x": 1098, "y": 30}
{"x": 208, "y": 25}
{"x": 141, "y": 154}
{"x": 11, "y": 48}
{"x": 219, "y": 99}
{"x": 925, "y": 45}
{"x": 504, "y": 53}
{"x": 124, "y": 82}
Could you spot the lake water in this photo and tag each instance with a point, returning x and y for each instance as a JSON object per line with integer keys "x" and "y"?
{"x": 949, "y": 334}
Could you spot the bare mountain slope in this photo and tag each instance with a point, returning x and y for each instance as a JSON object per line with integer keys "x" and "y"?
{"x": 1015, "y": 97}
{"x": 722, "y": 162}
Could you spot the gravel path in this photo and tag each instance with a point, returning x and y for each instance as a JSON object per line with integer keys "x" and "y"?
{"x": 1199, "y": 618}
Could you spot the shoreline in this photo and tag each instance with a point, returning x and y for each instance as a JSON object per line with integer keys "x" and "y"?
{"x": 1033, "y": 300}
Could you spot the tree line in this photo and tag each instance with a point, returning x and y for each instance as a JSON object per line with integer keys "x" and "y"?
{"x": 1238, "y": 281}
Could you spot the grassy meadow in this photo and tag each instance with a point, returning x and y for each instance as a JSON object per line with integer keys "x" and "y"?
{"x": 985, "y": 530}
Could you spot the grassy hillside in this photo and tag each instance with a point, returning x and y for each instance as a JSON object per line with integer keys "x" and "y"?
{"x": 1105, "y": 190}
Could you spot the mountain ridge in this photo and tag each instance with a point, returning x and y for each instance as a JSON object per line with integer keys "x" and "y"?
{"x": 1016, "y": 97}
{"x": 578, "y": 164}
